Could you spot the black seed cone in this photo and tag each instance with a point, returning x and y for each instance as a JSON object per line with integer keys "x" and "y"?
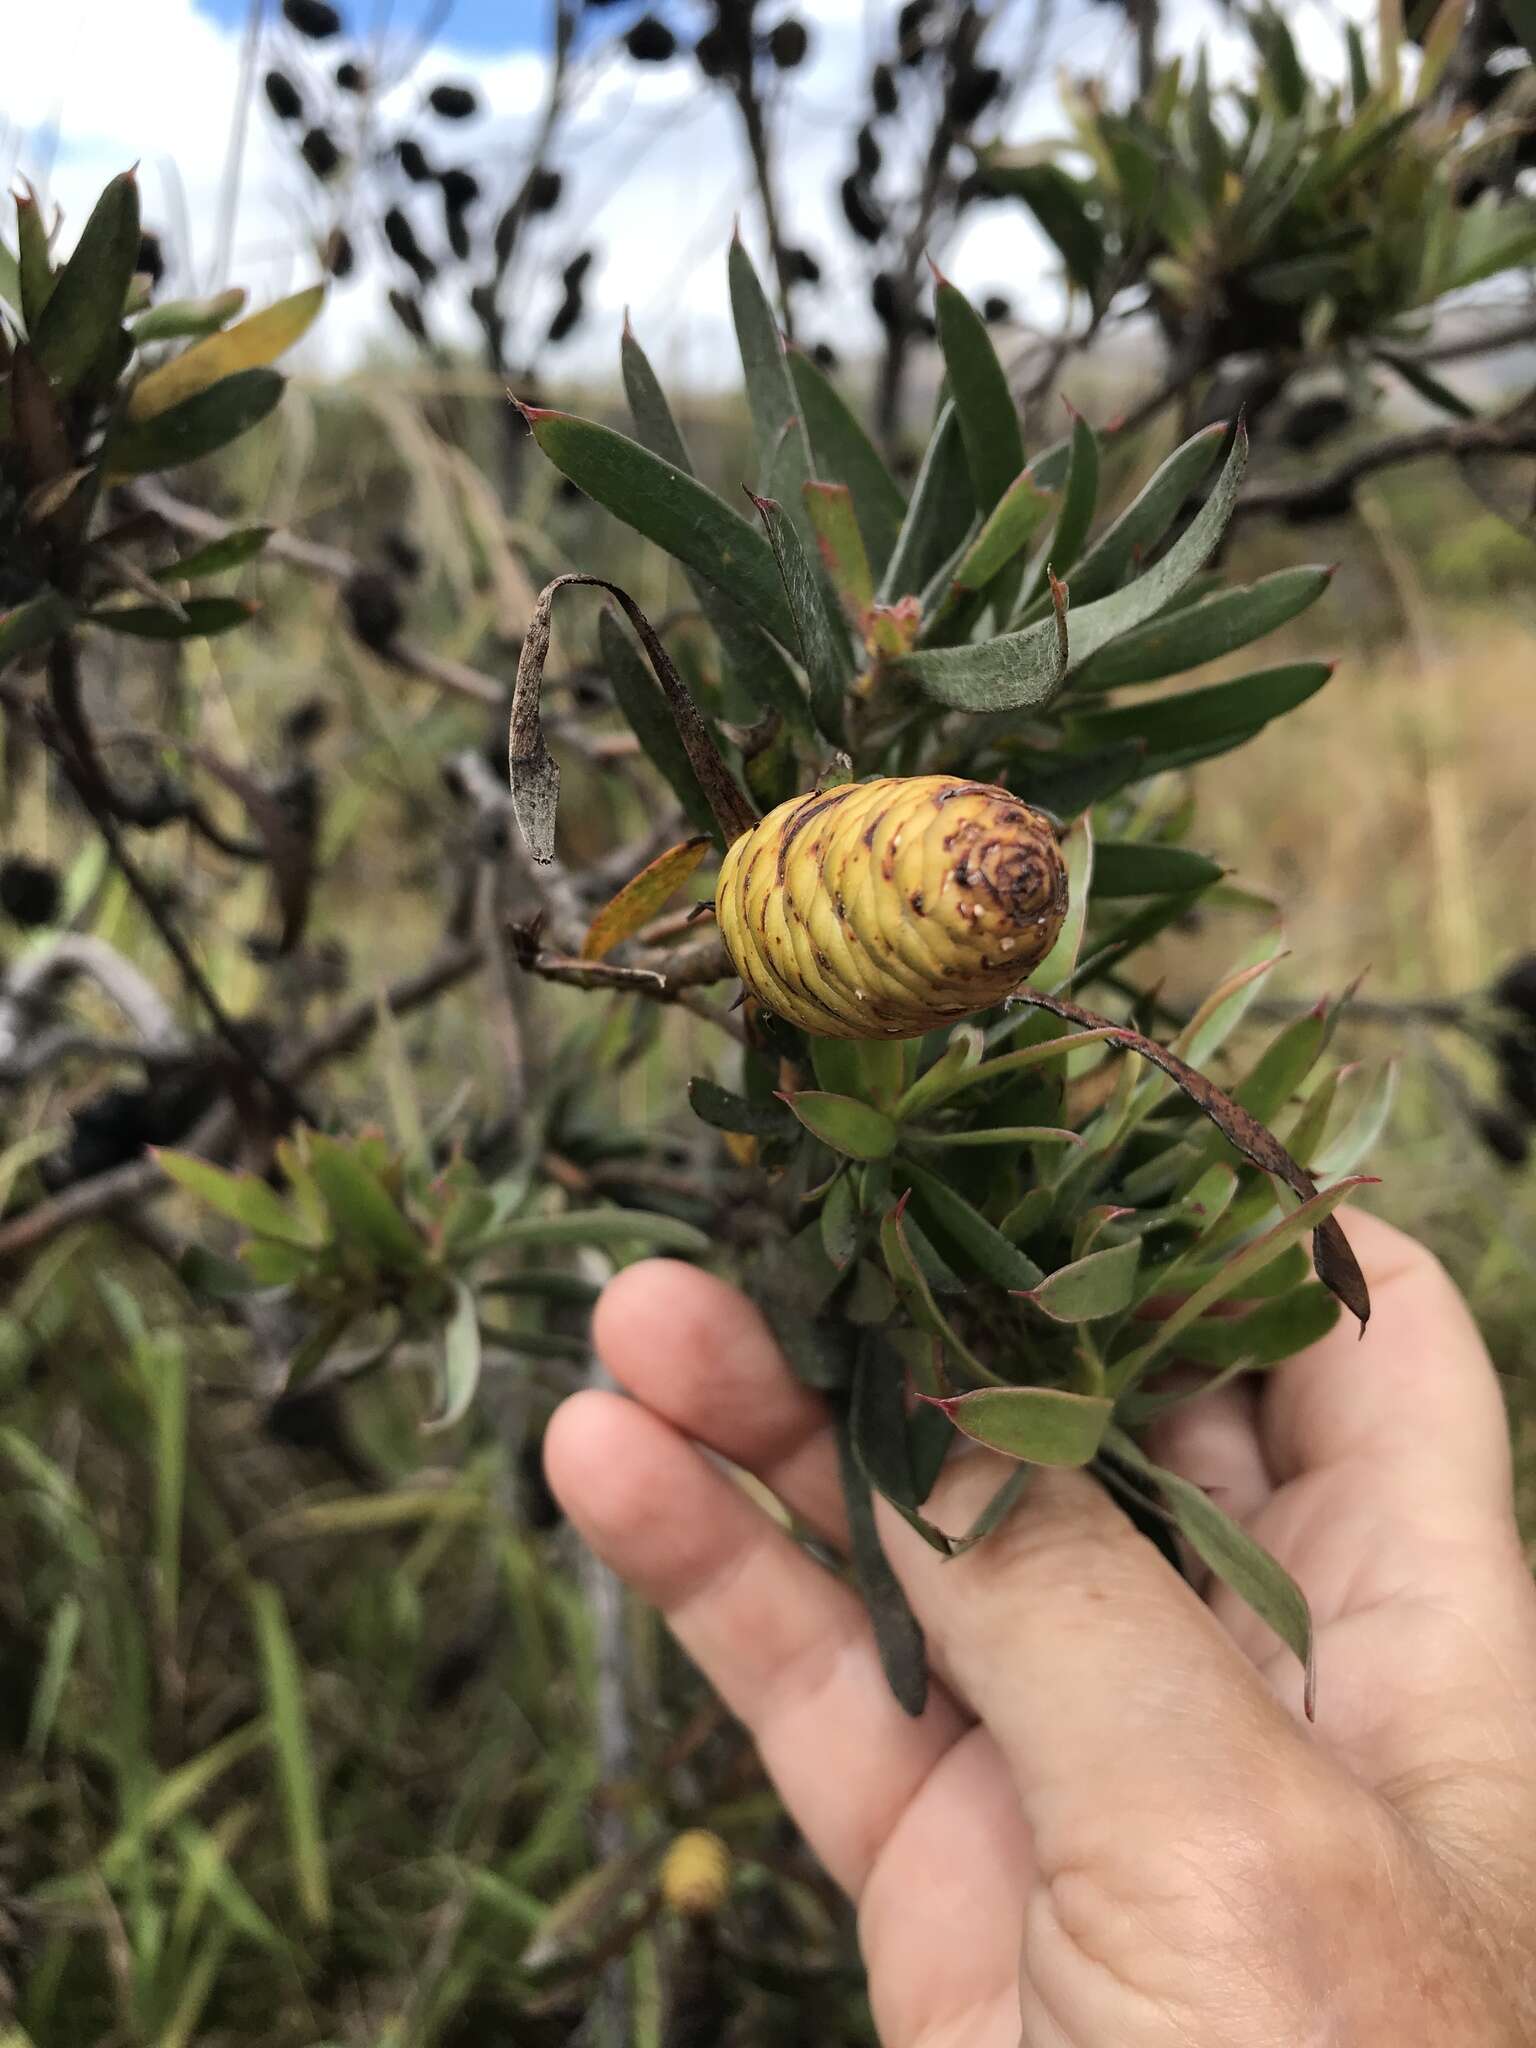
{"x": 283, "y": 96}
{"x": 650, "y": 41}
{"x": 319, "y": 151}
{"x": 1515, "y": 988}
{"x": 788, "y": 44}
{"x": 29, "y": 891}
{"x": 313, "y": 18}
{"x": 452, "y": 102}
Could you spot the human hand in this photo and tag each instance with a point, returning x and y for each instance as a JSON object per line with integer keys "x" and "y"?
{"x": 1112, "y": 1824}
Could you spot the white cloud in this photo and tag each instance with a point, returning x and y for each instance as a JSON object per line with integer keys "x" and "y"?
{"x": 655, "y": 167}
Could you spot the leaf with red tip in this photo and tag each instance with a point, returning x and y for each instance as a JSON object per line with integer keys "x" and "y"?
{"x": 1037, "y": 1425}
{"x": 1099, "y": 1284}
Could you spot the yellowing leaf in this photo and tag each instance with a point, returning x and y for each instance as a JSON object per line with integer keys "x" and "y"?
{"x": 640, "y": 899}
{"x": 250, "y": 345}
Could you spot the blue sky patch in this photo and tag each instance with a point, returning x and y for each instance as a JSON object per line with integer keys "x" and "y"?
{"x": 488, "y": 26}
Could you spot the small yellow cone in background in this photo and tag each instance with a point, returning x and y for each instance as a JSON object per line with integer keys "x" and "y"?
{"x": 696, "y": 1874}
{"x": 882, "y": 909}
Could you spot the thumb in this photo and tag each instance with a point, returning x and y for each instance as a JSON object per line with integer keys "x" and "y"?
{"x": 1124, "y": 1710}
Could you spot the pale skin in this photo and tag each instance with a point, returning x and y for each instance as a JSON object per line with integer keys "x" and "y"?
{"x": 1112, "y": 1824}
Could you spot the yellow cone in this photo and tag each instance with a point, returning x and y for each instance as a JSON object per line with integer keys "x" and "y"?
{"x": 696, "y": 1873}
{"x": 883, "y": 909}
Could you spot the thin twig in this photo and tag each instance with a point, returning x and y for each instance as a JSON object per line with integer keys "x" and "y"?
{"x": 1511, "y": 434}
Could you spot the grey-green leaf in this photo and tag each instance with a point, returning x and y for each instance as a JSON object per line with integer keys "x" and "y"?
{"x": 1203, "y": 632}
{"x": 843, "y": 452}
{"x": 1039, "y": 1425}
{"x": 199, "y": 426}
{"x": 824, "y": 648}
{"x": 669, "y": 507}
{"x": 989, "y": 419}
{"x": 941, "y": 510}
{"x": 897, "y": 1635}
{"x": 1102, "y": 1284}
{"x": 856, "y": 1129}
{"x": 1196, "y": 718}
{"x": 1234, "y": 1556}
{"x": 1125, "y": 867}
{"x": 89, "y": 293}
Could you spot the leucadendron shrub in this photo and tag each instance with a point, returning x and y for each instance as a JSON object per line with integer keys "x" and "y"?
{"x": 936, "y": 777}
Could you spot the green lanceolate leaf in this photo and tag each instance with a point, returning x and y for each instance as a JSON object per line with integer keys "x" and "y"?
{"x": 1146, "y": 519}
{"x": 35, "y": 265}
{"x": 1096, "y": 625}
{"x": 824, "y": 650}
{"x": 834, "y": 520}
{"x": 1276, "y": 1330}
{"x": 897, "y": 1635}
{"x": 1125, "y": 867}
{"x": 602, "y": 1227}
{"x": 362, "y": 1208}
{"x": 989, "y": 420}
{"x": 89, "y": 293}
{"x": 34, "y": 624}
{"x": 293, "y": 1752}
{"x": 916, "y": 1294}
{"x": 1008, "y": 528}
{"x": 783, "y": 451}
{"x": 197, "y": 618}
{"x": 240, "y": 1196}
{"x": 1079, "y": 486}
{"x": 900, "y": 1454}
{"x": 856, "y": 1129}
{"x": 643, "y": 705}
{"x": 1233, "y": 1555}
{"x": 1203, "y": 632}
{"x": 752, "y": 657}
{"x": 841, "y": 1223}
{"x": 1102, "y": 1284}
{"x": 655, "y": 423}
{"x": 1202, "y": 718}
{"x": 461, "y": 1361}
{"x": 10, "y": 278}
{"x": 955, "y": 1223}
{"x": 197, "y": 427}
{"x": 1038, "y": 1425}
{"x": 726, "y": 1111}
{"x": 959, "y": 1057}
{"x": 667, "y": 506}
{"x": 939, "y": 515}
{"x": 187, "y": 319}
{"x": 845, "y": 453}
{"x": 232, "y": 552}
{"x": 1427, "y": 384}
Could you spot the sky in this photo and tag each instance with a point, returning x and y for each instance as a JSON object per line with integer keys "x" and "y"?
{"x": 654, "y": 166}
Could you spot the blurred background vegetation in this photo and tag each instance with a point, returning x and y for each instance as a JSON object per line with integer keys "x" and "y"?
{"x": 316, "y": 1727}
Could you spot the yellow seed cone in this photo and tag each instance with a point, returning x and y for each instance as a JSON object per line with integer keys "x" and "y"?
{"x": 696, "y": 1873}
{"x": 883, "y": 909}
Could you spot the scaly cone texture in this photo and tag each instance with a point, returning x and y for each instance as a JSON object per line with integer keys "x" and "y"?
{"x": 882, "y": 909}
